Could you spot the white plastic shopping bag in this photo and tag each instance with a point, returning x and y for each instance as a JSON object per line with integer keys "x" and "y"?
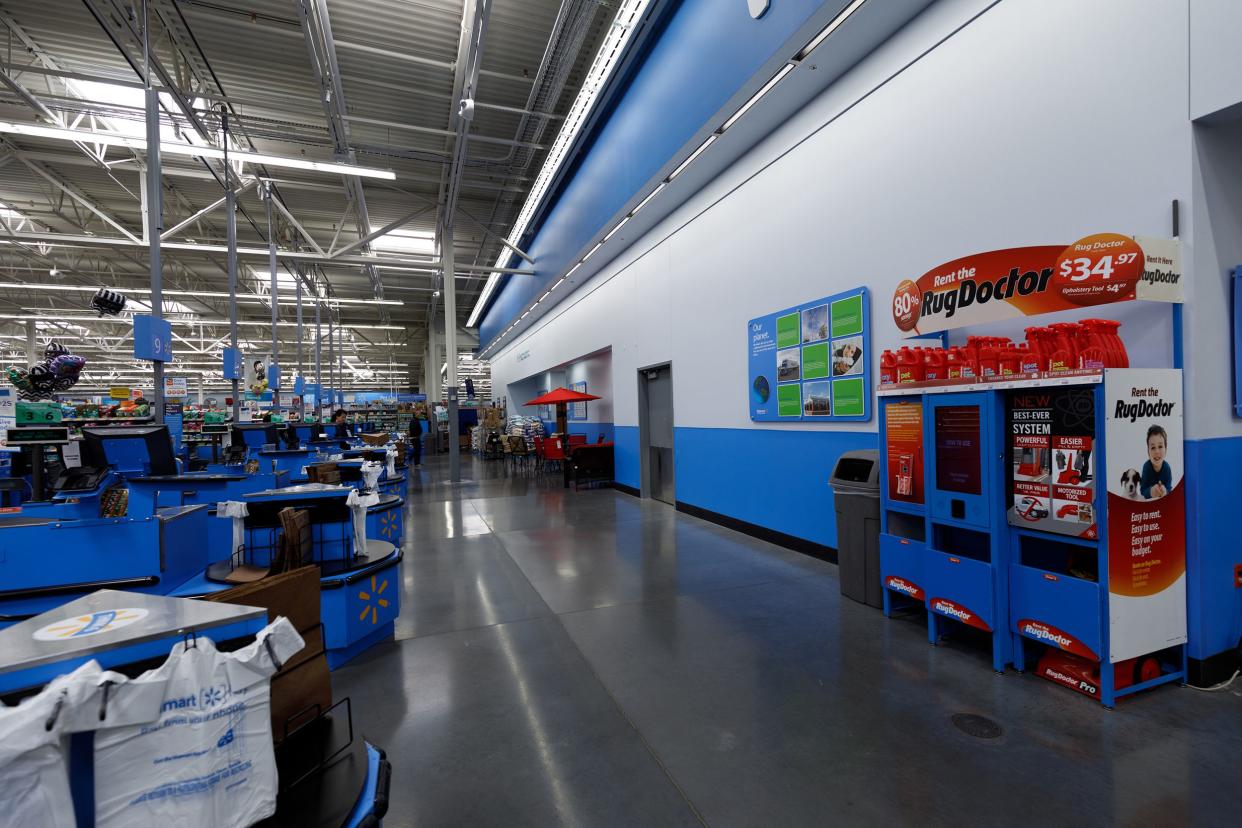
{"x": 34, "y": 785}
{"x": 237, "y": 510}
{"x": 390, "y": 458}
{"x": 371, "y": 474}
{"x": 358, "y": 503}
{"x": 207, "y": 759}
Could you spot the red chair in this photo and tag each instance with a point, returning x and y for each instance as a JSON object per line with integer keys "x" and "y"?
{"x": 539, "y": 450}
{"x": 577, "y": 440}
{"x": 552, "y": 452}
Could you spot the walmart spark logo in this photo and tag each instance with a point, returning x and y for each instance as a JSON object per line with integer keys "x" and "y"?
{"x": 84, "y": 626}
{"x": 211, "y": 696}
{"x": 389, "y": 525}
{"x": 373, "y": 600}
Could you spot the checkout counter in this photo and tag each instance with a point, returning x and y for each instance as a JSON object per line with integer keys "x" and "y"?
{"x": 103, "y": 528}
{"x": 129, "y": 519}
{"x": 360, "y": 575}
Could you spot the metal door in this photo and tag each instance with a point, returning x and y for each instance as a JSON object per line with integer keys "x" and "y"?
{"x": 656, "y": 429}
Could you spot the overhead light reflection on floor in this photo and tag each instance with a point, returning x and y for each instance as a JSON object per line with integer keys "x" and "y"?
{"x": 539, "y": 733}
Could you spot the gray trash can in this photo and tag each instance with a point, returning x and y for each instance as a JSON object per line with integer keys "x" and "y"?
{"x": 856, "y": 489}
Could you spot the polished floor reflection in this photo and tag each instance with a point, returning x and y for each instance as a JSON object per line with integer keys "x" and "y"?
{"x": 593, "y": 659}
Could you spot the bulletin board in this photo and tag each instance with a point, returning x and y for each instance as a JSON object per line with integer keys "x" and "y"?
{"x": 811, "y": 362}
{"x": 578, "y": 410}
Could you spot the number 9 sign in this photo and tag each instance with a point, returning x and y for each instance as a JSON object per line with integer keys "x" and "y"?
{"x": 1099, "y": 269}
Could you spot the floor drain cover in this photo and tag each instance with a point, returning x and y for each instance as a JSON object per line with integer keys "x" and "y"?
{"x": 981, "y": 727}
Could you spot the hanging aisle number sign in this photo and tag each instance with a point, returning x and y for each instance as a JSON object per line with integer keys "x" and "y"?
{"x": 152, "y": 338}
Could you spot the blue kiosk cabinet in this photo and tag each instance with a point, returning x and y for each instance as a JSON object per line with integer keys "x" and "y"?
{"x": 1048, "y": 512}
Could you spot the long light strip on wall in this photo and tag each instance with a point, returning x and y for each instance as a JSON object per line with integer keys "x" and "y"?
{"x": 829, "y": 29}
{"x": 647, "y": 200}
{"x": 88, "y": 136}
{"x": 754, "y": 99}
{"x": 606, "y": 59}
{"x": 771, "y": 84}
{"x": 711, "y": 139}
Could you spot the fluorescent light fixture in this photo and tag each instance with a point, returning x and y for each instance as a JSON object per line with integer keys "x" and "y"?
{"x": 190, "y": 322}
{"x": 523, "y": 316}
{"x": 241, "y": 297}
{"x": 90, "y": 136}
{"x": 711, "y": 139}
{"x": 606, "y": 59}
{"x": 614, "y": 230}
{"x": 754, "y": 99}
{"x": 650, "y": 196}
{"x": 829, "y": 29}
{"x": 570, "y": 272}
{"x": 592, "y": 253}
{"x": 558, "y": 282}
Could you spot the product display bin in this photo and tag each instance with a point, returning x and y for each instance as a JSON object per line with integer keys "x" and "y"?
{"x": 1083, "y": 582}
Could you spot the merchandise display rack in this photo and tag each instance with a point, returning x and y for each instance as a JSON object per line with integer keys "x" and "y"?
{"x": 1034, "y": 590}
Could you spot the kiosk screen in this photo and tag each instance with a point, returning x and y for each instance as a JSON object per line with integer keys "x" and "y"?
{"x": 958, "y": 464}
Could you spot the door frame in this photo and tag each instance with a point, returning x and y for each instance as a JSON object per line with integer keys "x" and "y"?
{"x": 644, "y": 434}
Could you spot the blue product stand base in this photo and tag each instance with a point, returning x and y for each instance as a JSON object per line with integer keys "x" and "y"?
{"x": 343, "y": 655}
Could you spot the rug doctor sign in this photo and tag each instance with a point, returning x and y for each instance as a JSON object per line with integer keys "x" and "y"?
{"x": 1026, "y": 281}
{"x": 1146, "y": 511}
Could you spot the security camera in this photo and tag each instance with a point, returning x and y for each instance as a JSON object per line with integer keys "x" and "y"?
{"x": 435, "y": 294}
{"x": 55, "y": 273}
{"x": 466, "y": 109}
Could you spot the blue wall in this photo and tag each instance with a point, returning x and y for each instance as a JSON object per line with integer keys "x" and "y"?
{"x": 775, "y": 478}
{"x": 628, "y": 470}
{"x": 703, "y": 56}
{"x": 1212, "y": 546}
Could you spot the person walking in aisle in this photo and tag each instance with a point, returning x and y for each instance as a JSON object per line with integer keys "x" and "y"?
{"x": 416, "y": 438}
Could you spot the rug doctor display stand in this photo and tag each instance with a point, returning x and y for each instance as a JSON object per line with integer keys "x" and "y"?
{"x": 974, "y": 534}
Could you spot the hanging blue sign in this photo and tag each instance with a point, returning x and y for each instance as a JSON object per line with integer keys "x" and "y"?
{"x": 152, "y": 338}
{"x": 299, "y": 385}
{"x": 234, "y": 367}
{"x": 273, "y": 376}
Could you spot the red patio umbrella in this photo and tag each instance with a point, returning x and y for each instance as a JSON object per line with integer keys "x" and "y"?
{"x": 561, "y": 397}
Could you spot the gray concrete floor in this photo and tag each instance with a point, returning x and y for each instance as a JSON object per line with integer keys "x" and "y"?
{"x": 592, "y": 659}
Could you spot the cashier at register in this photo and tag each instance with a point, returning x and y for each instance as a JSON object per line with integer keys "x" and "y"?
{"x": 338, "y": 420}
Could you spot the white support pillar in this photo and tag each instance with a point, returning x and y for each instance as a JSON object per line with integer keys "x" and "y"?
{"x": 32, "y": 343}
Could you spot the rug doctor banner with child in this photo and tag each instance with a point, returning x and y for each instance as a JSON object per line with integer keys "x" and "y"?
{"x": 1146, "y": 511}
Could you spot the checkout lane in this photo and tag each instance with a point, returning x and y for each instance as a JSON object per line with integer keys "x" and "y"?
{"x": 130, "y": 518}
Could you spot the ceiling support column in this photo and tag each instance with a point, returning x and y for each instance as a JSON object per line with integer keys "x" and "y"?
{"x": 153, "y": 191}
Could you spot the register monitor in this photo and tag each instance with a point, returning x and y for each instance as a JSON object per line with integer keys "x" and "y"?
{"x": 135, "y": 449}
{"x": 254, "y": 435}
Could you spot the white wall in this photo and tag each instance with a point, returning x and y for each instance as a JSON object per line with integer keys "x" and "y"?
{"x": 596, "y": 371}
{"x": 1215, "y": 56}
{"x": 1217, "y": 245}
{"x": 1027, "y": 127}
